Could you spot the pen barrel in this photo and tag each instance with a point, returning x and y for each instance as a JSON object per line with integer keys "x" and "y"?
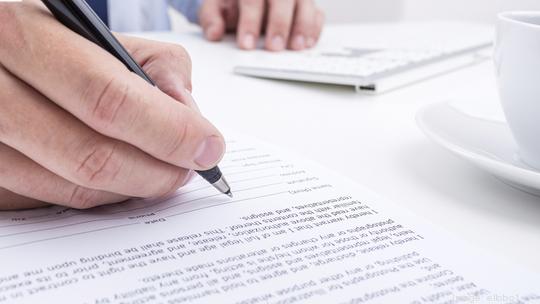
{"x": 212, "y": 175}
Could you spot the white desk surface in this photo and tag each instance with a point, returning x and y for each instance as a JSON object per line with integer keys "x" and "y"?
{"x": 375, "y": 141}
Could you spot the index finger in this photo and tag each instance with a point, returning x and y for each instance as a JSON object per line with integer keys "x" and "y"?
{"x": 95, "y": 87}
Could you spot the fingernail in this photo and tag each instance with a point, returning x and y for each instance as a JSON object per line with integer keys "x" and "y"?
{"x": 299, "y": 42}
{"x": 278, "y": 43}
{"x": 210, "y": 152}
{"x": 310, "y": 42}
{"x": 248, "y": 42}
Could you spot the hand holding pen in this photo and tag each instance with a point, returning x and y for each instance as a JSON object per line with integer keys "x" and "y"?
{"x": 86, "y": 131}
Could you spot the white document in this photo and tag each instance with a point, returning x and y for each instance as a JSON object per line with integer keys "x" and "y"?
{"x": 293, "y": 233}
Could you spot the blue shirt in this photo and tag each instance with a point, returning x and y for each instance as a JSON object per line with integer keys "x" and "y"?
{"x": 148, "y": 15}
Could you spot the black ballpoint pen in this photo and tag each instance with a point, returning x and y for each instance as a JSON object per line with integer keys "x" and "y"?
{"x": 78, "y": 16}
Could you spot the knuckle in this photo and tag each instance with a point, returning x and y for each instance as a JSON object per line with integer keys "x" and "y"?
{"x": 179, "y": 54}
{"x": 106, "y": 98}
{"x": 83, "y": 198}
{"x": 173, "y": 51}
{"x": 99, "y": 167}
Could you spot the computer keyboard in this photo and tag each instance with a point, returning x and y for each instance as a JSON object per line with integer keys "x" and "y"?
{"x": 367, "y": 68}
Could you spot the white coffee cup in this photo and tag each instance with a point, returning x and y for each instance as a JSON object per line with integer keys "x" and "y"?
{"x": 517, "y": 60}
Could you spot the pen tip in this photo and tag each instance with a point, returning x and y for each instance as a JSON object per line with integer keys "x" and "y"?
{"x": 229, "y": 193}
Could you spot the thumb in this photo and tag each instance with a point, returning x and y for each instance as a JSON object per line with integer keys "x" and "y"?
{"x": 212, "y": 20}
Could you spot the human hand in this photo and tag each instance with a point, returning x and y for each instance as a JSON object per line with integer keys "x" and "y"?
{"x": 78, "y": 129}
{"x": 293, "y": 24}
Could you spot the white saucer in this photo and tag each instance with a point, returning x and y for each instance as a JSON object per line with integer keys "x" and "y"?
{"x": 487, "y": 144}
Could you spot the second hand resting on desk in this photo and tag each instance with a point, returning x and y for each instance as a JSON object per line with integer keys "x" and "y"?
{"x": 80, "y": 18}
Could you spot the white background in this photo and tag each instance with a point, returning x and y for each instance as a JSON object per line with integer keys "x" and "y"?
{"x": 385, "y": 10}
